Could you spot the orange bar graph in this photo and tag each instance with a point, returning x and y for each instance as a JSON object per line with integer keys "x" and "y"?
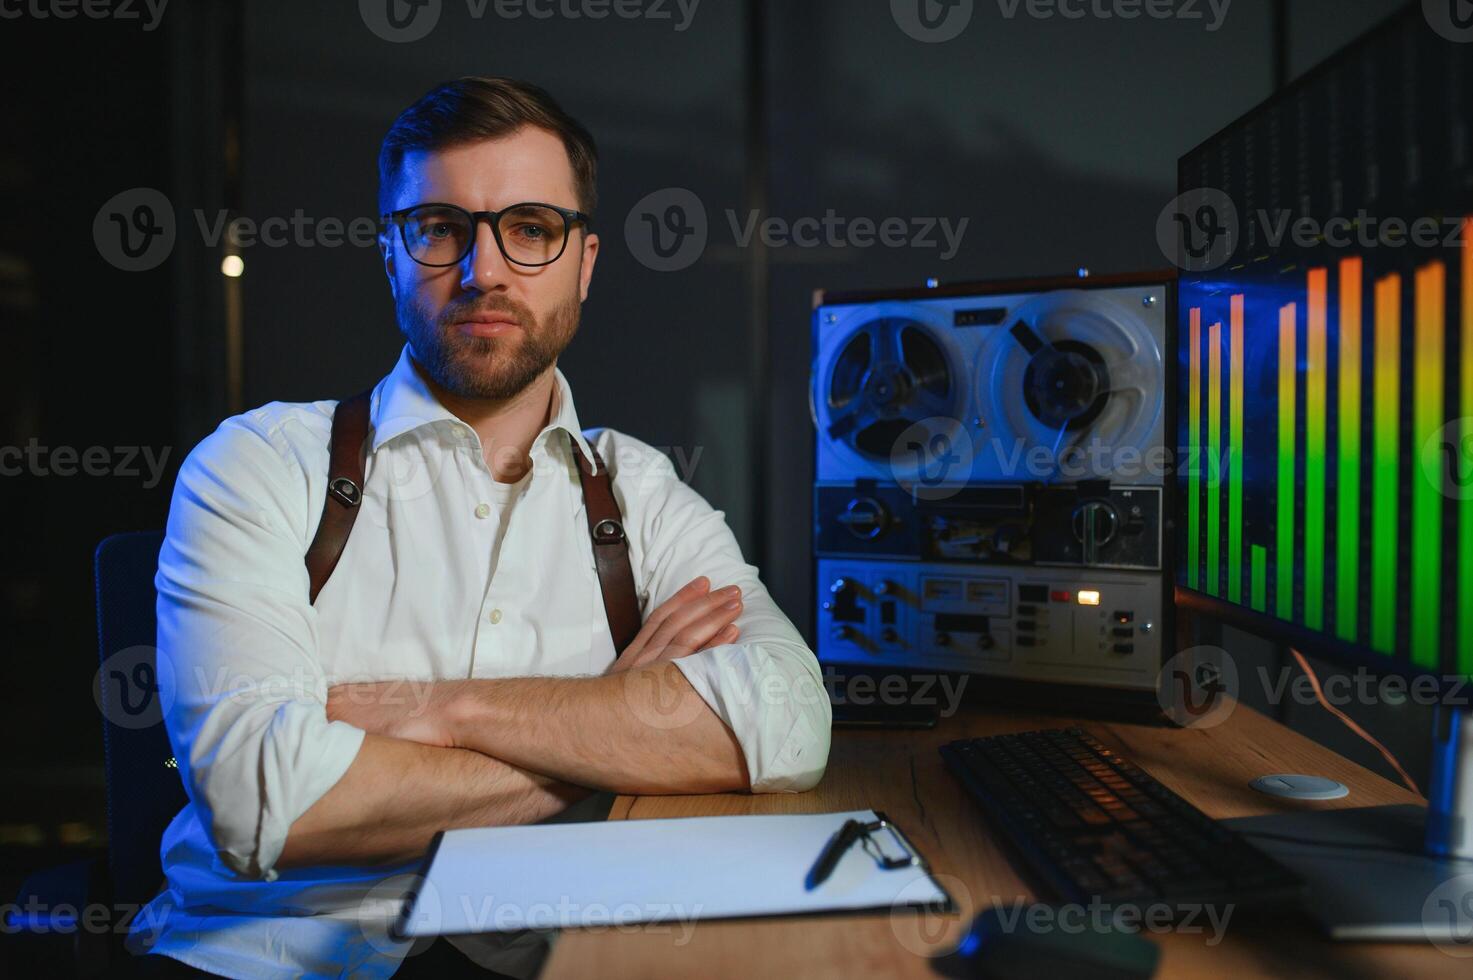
{"x": 1316, "y": 377}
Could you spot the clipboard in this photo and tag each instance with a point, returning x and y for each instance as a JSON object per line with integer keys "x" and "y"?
{"x": 666, "y": 871}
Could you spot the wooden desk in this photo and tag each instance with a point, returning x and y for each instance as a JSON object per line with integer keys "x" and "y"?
{"x": 901, "y": 772}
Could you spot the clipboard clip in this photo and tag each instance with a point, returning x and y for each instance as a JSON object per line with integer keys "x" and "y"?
{"x": 865, "y": 833}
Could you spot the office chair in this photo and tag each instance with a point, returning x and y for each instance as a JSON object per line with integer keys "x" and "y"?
{"x": 144, "y": 790}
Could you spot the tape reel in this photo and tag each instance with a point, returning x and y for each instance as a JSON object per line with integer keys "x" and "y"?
{"x": 1073, "y": 369}
{"x": 880, "y": 374}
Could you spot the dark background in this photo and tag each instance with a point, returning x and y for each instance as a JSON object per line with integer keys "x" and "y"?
{"x": 1057, "y": 139}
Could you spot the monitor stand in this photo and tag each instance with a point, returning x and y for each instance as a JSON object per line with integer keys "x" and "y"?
{"x": 1395, "y": 873}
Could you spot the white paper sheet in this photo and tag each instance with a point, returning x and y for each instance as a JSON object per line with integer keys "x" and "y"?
{"x": 616, "y": 872}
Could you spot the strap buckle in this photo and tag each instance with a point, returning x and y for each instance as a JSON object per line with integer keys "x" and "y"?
{"x": 608, "y": 531}
{"x": 346, "y": 491}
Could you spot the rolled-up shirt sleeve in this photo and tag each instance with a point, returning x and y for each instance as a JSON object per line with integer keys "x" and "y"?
{"x": 237, "y": 639}
{"x": 767, "y": 687}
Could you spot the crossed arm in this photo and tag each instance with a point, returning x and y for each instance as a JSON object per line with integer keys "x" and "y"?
{"x": 521, "y": 749}
{"x": 279, "y": 781}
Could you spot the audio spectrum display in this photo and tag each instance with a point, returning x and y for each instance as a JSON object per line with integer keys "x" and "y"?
{"x": 1326, "y": 355}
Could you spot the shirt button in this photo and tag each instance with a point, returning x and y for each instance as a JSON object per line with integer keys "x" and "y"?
{"x": 495, "y": 616}
{"x": 483, "y": 511}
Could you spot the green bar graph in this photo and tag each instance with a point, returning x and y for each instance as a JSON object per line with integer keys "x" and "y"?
{"x": 1315, "y": 377}
{"x": 1194, "y": 451}
{"x": 1385, "y": 448}
{"x": 1214, "y": 458}
{"x": 1260, "y": 577}
{"x": 1284, "y": 520}
{"x": 1235, "y": 452}
{"x": 1465, "y": 504}
{"x": 1347, "y": 470}
{"x": 1427, "y": 496}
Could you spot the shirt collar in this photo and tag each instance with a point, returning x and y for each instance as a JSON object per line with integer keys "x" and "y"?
{"x": 403, "y": 402}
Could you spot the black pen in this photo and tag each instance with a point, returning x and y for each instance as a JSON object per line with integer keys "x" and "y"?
{"x": 832, "y": 852}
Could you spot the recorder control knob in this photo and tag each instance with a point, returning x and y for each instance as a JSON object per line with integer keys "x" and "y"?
{"x": 865, "y": 518}
{"x": 1095, "y": 525}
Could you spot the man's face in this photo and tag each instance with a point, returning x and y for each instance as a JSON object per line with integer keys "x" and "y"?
{"x": 486, "y": 327}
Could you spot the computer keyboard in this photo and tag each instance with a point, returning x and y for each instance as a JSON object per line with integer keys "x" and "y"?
{"x": 1096, "y": 828}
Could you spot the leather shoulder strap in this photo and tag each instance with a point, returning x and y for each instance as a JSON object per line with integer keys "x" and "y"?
{"x": 344, "y": 489}
{"x": 610, "y": 549}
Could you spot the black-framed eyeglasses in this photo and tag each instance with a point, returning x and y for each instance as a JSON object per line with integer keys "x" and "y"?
{"x": 440, "y": 235}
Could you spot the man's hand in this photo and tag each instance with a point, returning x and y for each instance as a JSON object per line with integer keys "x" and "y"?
{"x": 692, "y": 619}
{"x": 411, "y": 710}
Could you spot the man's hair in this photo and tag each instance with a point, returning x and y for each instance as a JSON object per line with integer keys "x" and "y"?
{"x": 476, "y": 108}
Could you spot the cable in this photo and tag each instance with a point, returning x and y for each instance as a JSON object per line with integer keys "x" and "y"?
{"x": 1349, "y": 723}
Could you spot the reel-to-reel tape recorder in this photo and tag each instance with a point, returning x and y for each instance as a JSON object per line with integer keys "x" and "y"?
{"x": 990, "y": 472}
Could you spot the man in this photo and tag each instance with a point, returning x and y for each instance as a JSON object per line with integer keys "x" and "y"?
{"x": 457, "y": 668}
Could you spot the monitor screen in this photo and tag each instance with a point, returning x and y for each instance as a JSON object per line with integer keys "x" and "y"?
{"x": 1325, "y": 356}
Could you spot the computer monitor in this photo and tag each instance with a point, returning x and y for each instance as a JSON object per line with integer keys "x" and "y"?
{"x": 1325, "y": 395}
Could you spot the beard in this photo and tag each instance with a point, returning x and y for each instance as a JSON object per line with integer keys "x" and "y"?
{"x": 495, "y": 368}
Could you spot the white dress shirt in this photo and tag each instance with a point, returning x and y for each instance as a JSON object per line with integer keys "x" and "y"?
{"x": 437, "y": 582}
